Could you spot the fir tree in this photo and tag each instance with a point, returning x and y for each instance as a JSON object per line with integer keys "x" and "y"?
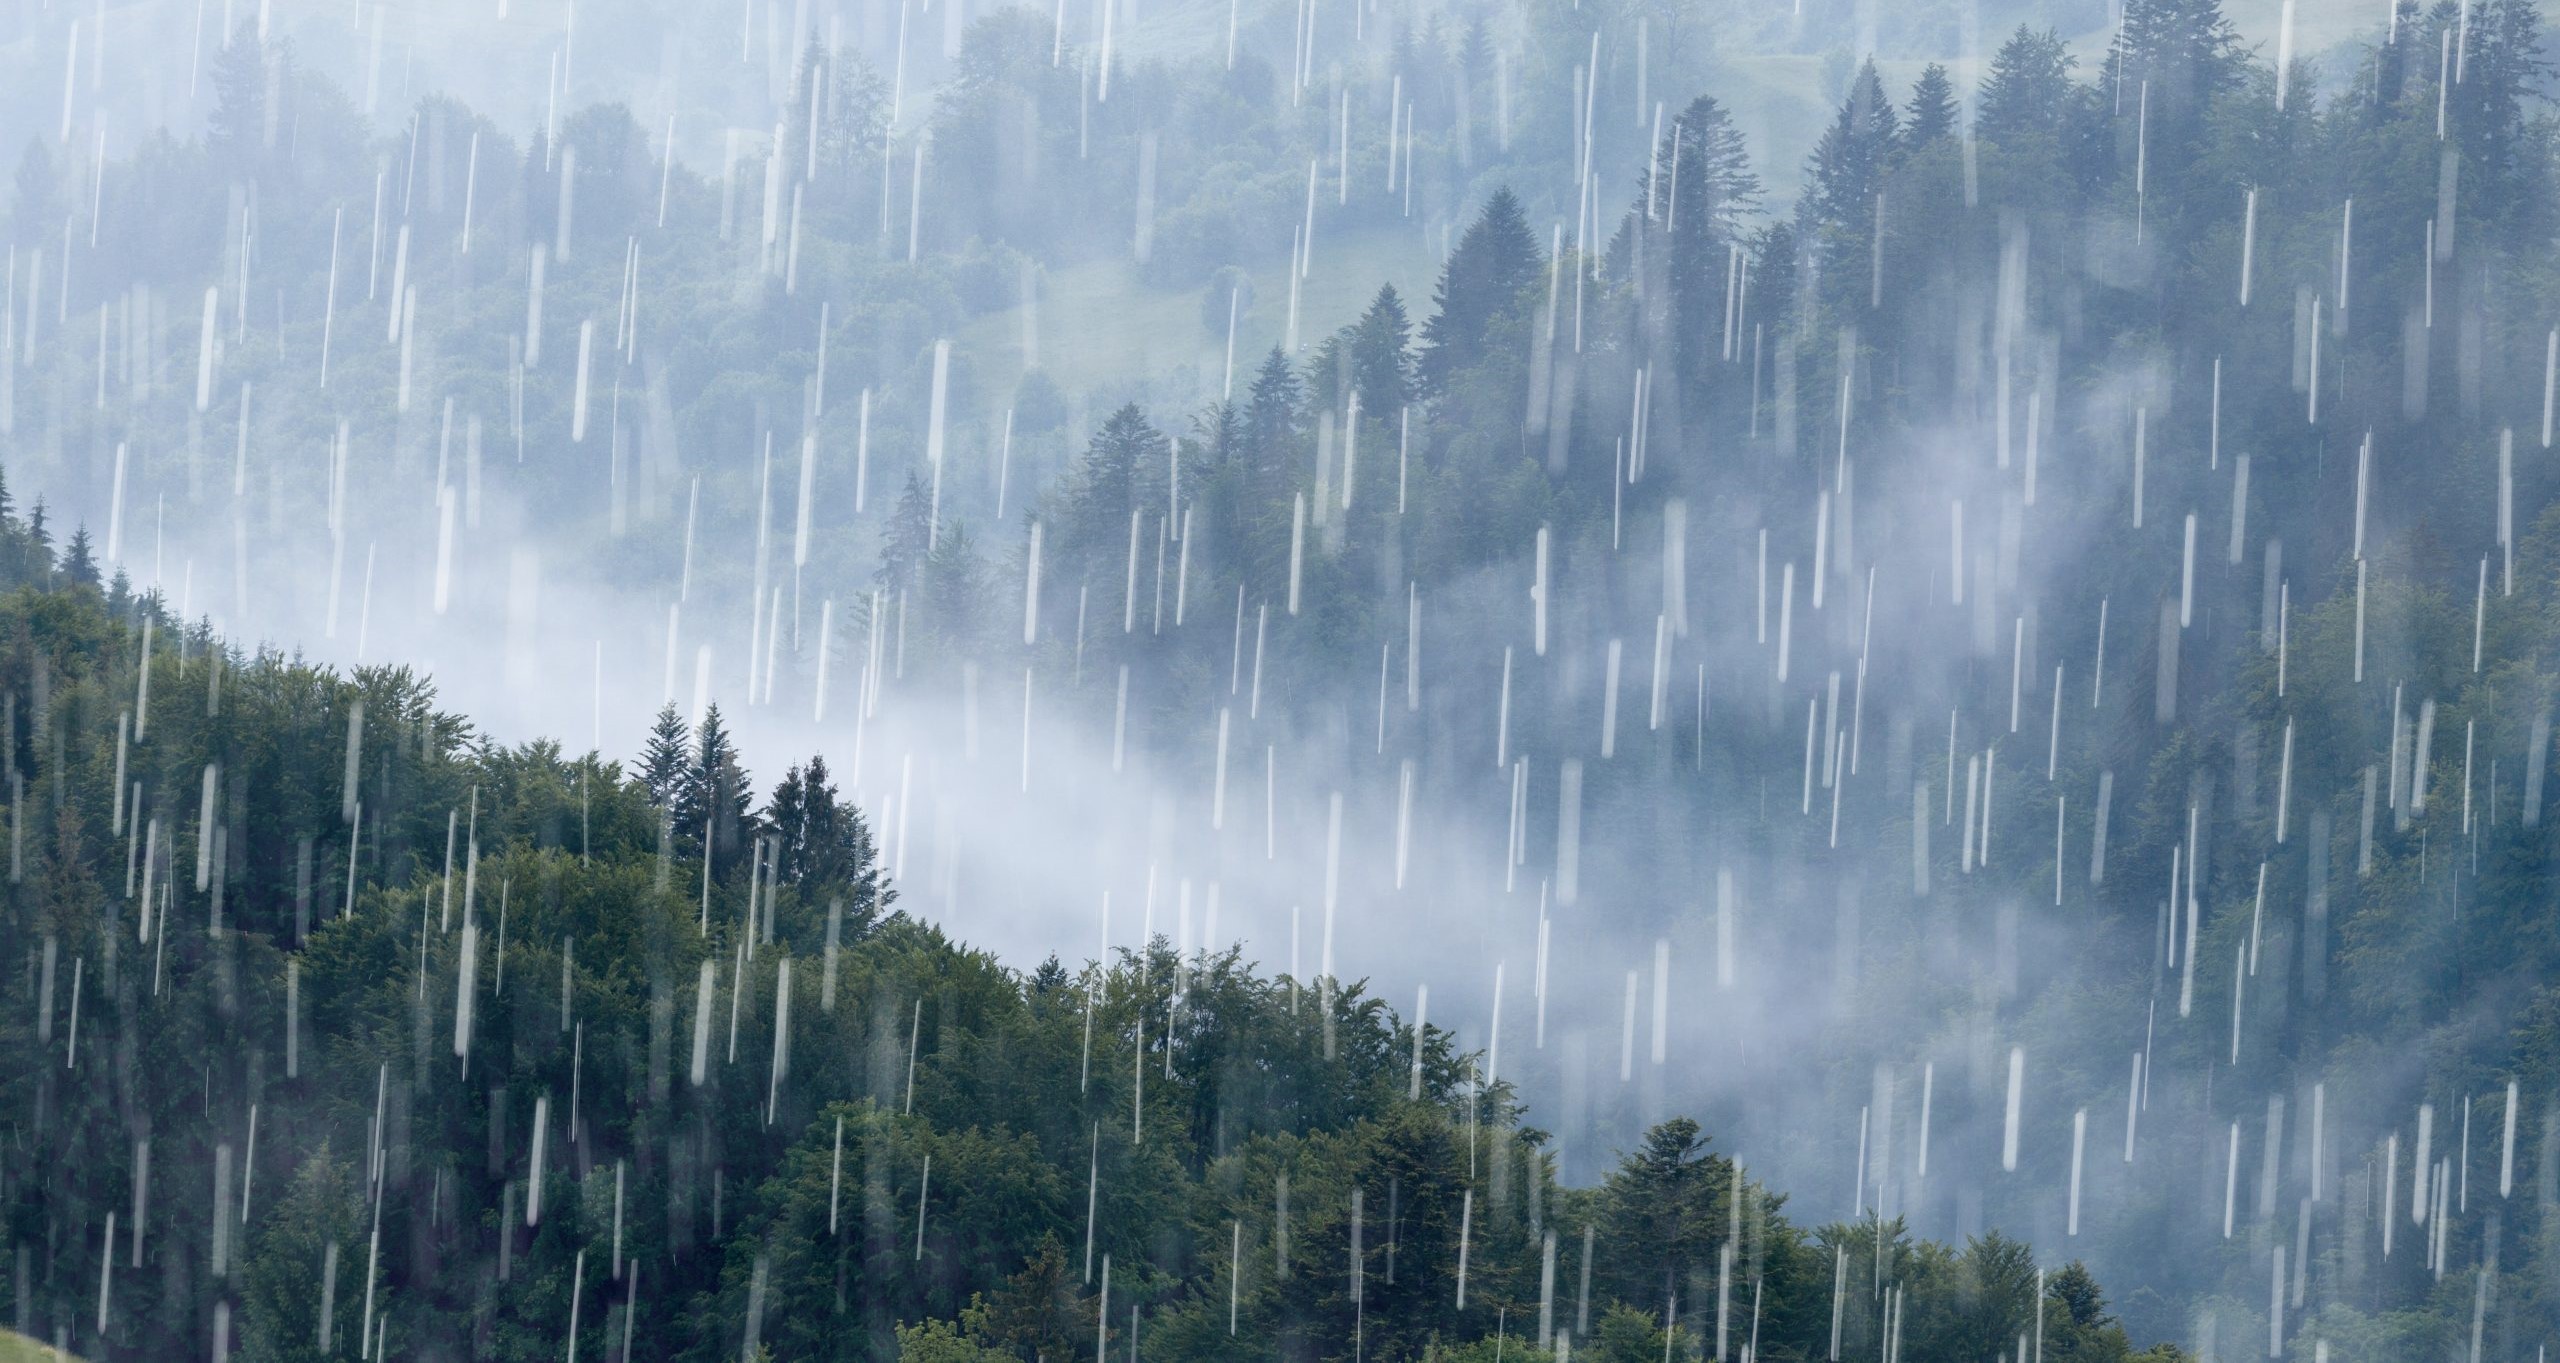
{"x": 1273, "y": 422}
{"x": 1691, "y": 202}
{"x": 2169, "y": 61}
{"x": 1382, "y": 357}
{"x": 908, "y": 538}
{"x": 1933, "y": 112}
{"x": 665, "y": 758}
{"x": 78, "y": 563}
{"x": 1495, "y": 261}
{"x": 711, "y": 810}
{"x": 954, "y": 586}
{"x": 2028, "y": 89}
{"x": 1843, "y": 177}
{"x": 39, "y": 544}
{"x": 1124, "y": 468}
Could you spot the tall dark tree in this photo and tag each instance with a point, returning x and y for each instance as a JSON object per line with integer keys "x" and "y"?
{"x": 1667, "y": 1210}
{"x": 1845, "y": 173}
{"x": 1125, "y": 469}
{"x": 2028, "y": 88}
{"x": 1691, "y": 204}
{"x": 822, "y": 844}
{"x": 666, "y": 757}
{"x": 908, "y": 539}
{"x": 2171, "y": 59}
{"x": 1494, "y": 263}
{"x": 1274, "y": 421}
{"x": 712, "y": 809}
{"x": 79, "y": 564}
{"x": 1381, "y": 356}
{"x": 1933, "y": 112}
{"x": 953, "y": 594}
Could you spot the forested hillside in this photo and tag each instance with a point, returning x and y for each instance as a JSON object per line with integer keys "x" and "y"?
{"x": 2012, "y": 685}
{"x": 343, "y": 1031}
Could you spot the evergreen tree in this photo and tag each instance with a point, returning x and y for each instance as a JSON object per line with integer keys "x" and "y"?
{"x": 2076, "y": 1290}
{"x": 2506, "y": 173}
{"x": 1692, "y": 203}
{"x": 1667, "y": 1209}
{"x": 1274, "y": 423}
{"x": 2028, "y": 89}
{"x": 909, "y": 537}
{"x": 1040, "y": 1312}
{"x": 665, "y": 758}
{"x": 822, "y": 843}
{"x": 1381, "y": 357}
{"x": 1995, "y": 1297}
{"x": 711, "y": 810}
{"x": 285, "y": 1290}
{"x": 838, "y": 99}
{"x": 1705, "y": 178}
{"x": 1494, "y": 263}
{"x": 1845, "y": 173}
{"x": 2168, "y": 63}
{"x": 953, "y": 595}
{"x": 1933, "y": 111}
{"x": 78, "y": 563}
{"x": 1124, "y": 469}
{"x": 39, "y": 545}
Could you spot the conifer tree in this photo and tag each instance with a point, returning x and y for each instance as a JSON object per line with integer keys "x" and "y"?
{"x": 665, "y": 757}
{"x": 1933, "y": 112}
{"x": 2027, "y": 90}
{"x": 1495, "y": 261}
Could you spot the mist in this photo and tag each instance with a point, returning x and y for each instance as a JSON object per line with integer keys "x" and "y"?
{"x": 1957, "y": 596}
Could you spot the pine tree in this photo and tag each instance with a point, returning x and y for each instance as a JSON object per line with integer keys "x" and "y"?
{"x": 2028, "y": 89}
{"x": 2076, "y": 1289}
{"x": 786, "y": 821}
{"x": 665, "y": 757}
{"x": 1494, "y": 263}
{"x": 1933, "y": 111}
{"x": 822, "y": 843}
{"x": 1667, "y": 1203}
{"x": 1274, "y": 422}
{"x": 1691, "y": 202}
{"x": 1041, "y": 1311}
{"x": 953, "y": 592}
{"x": 1382, "y": 356}
{"x": 1844, "y": 175}
{"x": 39, "y": 545}
{"x": 2170, "y": 58}
{"x": 711, "y": 810}
{"x": 1704, "y": 177}
{"x": 1124, "y": 468}
{"x": 78, "y": 563}
{"x": 2486, "y": 116}
{"x": 282, "y": 1282}
{"x": 909, "y": 537}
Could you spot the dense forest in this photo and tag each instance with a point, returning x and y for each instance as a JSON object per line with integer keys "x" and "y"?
{"x": 738, "y": 1104}
{"x": 2165, "y": 416}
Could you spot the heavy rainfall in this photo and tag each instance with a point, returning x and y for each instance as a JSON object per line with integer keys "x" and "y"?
{"x": 1435, "y": 681}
